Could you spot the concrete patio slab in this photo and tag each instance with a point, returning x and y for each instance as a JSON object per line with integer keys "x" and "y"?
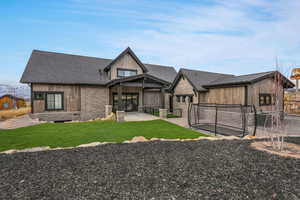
{"x": 137, "y": 116}
{"x": 19, "y": 122}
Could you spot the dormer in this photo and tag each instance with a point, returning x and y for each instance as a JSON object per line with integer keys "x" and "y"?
{"x": 124, "y": 65}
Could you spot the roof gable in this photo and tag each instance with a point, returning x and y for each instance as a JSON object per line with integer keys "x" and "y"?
{"x": 198, "y": 78}
{"x": 132, "y": 54}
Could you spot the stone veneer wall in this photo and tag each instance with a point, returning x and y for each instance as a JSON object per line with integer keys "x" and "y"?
{"x": 93, "y": 101}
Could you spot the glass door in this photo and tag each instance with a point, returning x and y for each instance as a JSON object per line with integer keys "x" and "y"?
{"x": 130, "y": 101}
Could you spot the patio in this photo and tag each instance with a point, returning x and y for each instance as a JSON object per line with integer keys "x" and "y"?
{"x": 139, "y": 116}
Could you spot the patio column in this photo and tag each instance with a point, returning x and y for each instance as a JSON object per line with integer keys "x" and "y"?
{"x": 120, "y": 102}
{"x": 141, "y": 107}
{"x": 163, "y": 97}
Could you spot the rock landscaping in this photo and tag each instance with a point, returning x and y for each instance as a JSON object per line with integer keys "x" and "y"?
{"x": 200, "y": 169}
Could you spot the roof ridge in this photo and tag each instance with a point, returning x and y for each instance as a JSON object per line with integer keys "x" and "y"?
{"x": 159, "y": 65}
{"x": 108, "y": 59}
{"x": 257, "y": 73}
{"x": 205, "y": 71}
{"x": 69, "y": 54}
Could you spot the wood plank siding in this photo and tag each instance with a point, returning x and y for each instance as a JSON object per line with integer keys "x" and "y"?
{"x": 264, "y": 86}
{"x": 76, "y": 97}
{"x": 125, "y": 62}
{"x": 71, "y": 96}
{"x": 230, "y": 95}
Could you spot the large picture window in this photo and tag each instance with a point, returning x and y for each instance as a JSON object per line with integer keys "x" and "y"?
{"x": 54, "y": 101}
{"x": 265, "y": 99}
{"x": 126, "y": 72}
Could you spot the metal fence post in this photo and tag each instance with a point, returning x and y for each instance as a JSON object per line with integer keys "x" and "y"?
{"x": 216, "y": 120}
{"x": 243, "y": 120}
{"x": 255, "y": 120}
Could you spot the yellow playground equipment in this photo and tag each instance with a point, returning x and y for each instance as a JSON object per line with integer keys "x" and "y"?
{"x": 296, "y": 76}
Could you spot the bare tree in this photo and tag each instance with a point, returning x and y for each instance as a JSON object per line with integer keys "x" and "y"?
{"x": 275, "y": 125}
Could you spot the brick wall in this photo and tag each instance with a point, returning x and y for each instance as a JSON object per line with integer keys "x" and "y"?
{"x": 93, "y": 101}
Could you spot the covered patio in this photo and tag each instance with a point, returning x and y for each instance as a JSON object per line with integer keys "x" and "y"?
{"x": 134, "y": 93}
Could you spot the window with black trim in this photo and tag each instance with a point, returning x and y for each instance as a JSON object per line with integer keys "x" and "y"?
{"x": 191, "y": 99}
{"x": 126, "y": 72}
{"x": 183, "y": 99}
{"x": 178, "y": 98}
{"x": 39, "y": 96}
{"x": 54, "y": 101}
{"x": 265, "y": 99}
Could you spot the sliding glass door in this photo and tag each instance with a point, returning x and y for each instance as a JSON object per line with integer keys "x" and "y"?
{"x": 130, "y": 101}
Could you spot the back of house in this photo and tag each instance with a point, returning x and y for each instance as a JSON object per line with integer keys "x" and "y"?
{"x": 214, "y": 88}
{"x": 72, "y": 87}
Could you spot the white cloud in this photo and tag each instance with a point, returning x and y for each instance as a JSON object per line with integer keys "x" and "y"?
{"x": 229, "y": 36}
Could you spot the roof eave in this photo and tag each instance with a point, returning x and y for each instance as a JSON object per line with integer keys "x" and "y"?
{"x": 227, "y": 85}
{"x": 131, "y": 78}
{"x": 57, "y": 83}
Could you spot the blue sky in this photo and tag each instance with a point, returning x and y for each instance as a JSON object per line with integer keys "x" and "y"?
{"x": 226, "y": 36}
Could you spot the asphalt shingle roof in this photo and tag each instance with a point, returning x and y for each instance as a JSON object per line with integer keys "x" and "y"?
{"x": 248, "y": 78}
{"x": 60, "y": 68}
{"x": 200, "y": 78}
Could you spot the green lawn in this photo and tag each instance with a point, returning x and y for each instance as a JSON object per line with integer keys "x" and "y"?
{"x": 73, "y": 134}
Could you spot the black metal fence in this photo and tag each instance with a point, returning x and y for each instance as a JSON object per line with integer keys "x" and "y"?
{"x": 175, "y": 113}
{"x": 154, "y": 110}
{"x": 224, "y": 119}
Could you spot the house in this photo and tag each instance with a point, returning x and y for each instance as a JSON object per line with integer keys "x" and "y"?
{"x": 72, "y": 87}
{"x": 207, "y": 87}
{"x": 11, "y": 102}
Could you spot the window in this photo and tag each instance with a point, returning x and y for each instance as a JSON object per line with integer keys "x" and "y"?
{"x": 191, "y": 99}
{"x": 38, "y": 96}
{"x": 178, "y": 98}
{"x": 54, "y": 101}
{"x": 126, "y": 72}
{"x": 5, "y": 105}
{"x": 183, "y": 98}
{"x": 265, "y": 99}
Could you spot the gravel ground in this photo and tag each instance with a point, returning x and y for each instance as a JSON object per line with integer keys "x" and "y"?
{"x": 152, "y": 170}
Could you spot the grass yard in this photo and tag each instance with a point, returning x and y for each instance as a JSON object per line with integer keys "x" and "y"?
{"x": 73, "y": 134}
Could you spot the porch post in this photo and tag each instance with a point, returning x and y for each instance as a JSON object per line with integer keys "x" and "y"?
{"x": 143, "y": 91}
{"x": 141, "y": 107}
{"x": 120, "y": 102}
{"x": 163, "y": 97}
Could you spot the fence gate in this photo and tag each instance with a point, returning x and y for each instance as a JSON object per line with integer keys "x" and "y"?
{"x": 224, "y": 119}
